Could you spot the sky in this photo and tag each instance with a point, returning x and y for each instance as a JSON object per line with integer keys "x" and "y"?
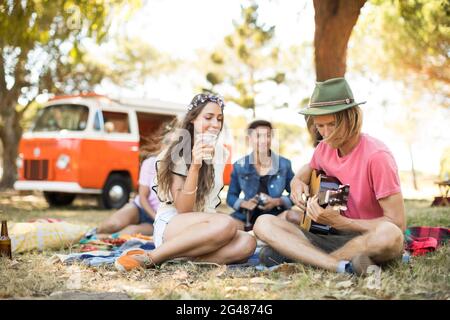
{"x": 181, "y": 28}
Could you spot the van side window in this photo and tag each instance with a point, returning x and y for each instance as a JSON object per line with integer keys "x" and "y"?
{"x": 98, "y": 121}
{"x": 116, "y": 122}
{"x": 57, "y": 117}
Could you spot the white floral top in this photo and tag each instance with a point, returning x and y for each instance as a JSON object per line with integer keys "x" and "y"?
{"x": 180, "y": 168}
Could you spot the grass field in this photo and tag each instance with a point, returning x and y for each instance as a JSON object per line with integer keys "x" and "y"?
{"x": 31, "y": 275}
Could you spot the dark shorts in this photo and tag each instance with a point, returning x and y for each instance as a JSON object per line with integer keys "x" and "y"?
{"x": 330, "y": 242}
{"x": 241, "y": 216}
{"x": 143, "y": 216}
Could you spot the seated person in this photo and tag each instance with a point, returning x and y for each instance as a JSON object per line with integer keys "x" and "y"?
{"x": 370, "y": 231}
{"x": 189, "y": 180}
{"x": 138, "y": 215}
{"x": 261, "y": 174}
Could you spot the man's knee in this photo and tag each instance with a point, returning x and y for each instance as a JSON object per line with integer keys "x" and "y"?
{"x": 264, "y": 225}
{"x": 388, "y": 237}
{"x": 293, "y": 216}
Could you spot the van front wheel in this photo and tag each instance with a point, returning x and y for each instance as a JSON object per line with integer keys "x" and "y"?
{"x": 116, "y": 192}
{"x": 59, "y": 199}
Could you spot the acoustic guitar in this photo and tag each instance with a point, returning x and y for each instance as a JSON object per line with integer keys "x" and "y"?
{"x": 331, "y": 192}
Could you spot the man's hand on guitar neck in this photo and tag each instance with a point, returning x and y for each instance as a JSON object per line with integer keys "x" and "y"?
{"x": 327, "y": 216}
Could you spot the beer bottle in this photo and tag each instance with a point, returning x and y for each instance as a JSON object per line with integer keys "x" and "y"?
{"x": 5, "y": 241}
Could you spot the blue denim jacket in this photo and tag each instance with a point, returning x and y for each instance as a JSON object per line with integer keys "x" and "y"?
{"x": 244, "y": 177}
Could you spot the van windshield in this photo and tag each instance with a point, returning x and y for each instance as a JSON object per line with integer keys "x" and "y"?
{"x": 62, "y": 117}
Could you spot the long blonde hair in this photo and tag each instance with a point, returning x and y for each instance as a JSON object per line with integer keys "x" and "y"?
{"x": 180, "y": 142}
{"x": 348, "y": 125}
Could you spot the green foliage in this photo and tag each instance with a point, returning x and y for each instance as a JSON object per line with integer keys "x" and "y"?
{"x": 411, "y": 40}
{"x": 42, "y": 45}
{"x": 246, "y": 60}
{"x": 43, "y": 49}
{"x": 133, "y": 60}
{"x": 291, "y": 137}
{"x": 29, "y": 114}
{"x": 214, "y": 78}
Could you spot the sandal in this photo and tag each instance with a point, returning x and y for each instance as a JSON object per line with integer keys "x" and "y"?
{"x": 128, "y": 262}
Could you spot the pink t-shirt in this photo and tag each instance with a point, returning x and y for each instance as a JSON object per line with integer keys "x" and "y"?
{"x": 369, "y": 169}
{"x": 146, "y": 178}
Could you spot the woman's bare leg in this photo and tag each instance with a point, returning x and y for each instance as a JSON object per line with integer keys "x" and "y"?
{"x": 125, "y": 216}
{"x": 239, "y": 224}
{"x": 237, "y": 250}
{"x": 124, "y": 221}
{"x": 194, "y": 235}
{"x": 142, "y": 228}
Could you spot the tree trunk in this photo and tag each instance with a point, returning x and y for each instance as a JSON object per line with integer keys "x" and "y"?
{"x": 10, "y": 134}
{"x": 334, "y": 21}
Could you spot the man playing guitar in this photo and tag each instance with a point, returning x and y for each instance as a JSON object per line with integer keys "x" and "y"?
{"x": 370, "y": 231}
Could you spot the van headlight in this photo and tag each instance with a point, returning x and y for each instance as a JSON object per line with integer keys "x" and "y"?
{"x": 63, "y": 161}
{"x": 19, "y": 161}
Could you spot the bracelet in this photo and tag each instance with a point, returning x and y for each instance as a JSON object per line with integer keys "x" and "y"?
{"x": 189, "y": 192}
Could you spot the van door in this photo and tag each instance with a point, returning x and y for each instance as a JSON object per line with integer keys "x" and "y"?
{"x": 110, "y": 161}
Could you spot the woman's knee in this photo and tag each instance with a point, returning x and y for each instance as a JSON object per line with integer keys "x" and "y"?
{"x": 250, "y": 245}
{"x": 223, "y": 228}
{"x": 245, "y": 247}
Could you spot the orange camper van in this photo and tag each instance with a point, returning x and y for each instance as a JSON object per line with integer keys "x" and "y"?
{"x": 89, "y": 144}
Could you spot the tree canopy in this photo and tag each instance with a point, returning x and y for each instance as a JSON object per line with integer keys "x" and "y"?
{"x": 407, "y": 41}
{"x": 43, "y": 47}
{"x": 247, "y": 60}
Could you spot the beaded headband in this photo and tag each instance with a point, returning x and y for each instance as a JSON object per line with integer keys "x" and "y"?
{"x": 201, "y": 98}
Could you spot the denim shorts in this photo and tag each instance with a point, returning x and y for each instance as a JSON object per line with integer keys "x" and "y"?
{"x": 143, "y": 215}
{"x": 160, "y": 224}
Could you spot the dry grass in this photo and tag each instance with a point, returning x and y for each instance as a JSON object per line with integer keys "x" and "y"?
{"x": 30, "y": 275}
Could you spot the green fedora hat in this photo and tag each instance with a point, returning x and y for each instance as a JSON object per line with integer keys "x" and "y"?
{"x": 330, "y": 96}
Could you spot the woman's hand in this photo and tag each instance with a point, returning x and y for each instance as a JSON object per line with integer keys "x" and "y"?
{"x": 200, "y": 151}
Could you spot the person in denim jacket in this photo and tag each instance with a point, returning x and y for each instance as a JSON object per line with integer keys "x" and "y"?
{"x": 262, "y": 176}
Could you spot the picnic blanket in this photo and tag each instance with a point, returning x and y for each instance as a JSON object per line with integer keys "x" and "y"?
{"x": 96, "y": 252}
{"x": 101, "y": 257}
{"x": 90, "y": 241}
{"x": 422, "y": 240}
